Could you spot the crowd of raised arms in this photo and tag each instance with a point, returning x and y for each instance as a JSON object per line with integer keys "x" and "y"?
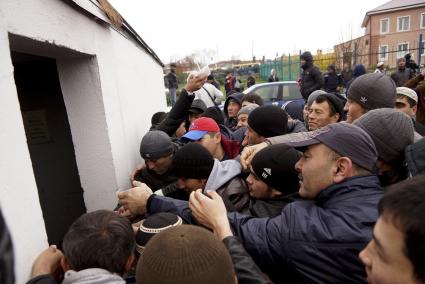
{"x": 331, "y": 192}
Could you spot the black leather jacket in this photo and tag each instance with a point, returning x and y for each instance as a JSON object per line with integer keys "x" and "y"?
{"x": 246, "y": 270}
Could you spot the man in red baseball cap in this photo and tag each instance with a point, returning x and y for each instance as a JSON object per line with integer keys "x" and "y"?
{"x": 206, "y": 132}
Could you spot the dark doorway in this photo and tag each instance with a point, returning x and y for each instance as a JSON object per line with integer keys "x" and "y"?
{"x": 49, "y": 142}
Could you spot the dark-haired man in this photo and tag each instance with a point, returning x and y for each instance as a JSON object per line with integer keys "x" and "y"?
{"x": 396, "y": 254}
{"x": 252, "y": 98}
{"x": 98, "y": 248}
{"x": 310, "y": 237}
{"x": 326, "y": 109}
{"x": 273, "y": 181}
{"x": 407, "y": 102}
{"x": 368, "y": 92}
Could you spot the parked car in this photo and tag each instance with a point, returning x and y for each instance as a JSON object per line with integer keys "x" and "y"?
{"x": 277, "y": 93}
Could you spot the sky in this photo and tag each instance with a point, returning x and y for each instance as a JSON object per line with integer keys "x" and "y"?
{"x": 237, "y": 29}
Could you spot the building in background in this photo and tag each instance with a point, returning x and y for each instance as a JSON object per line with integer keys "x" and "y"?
{"x": 77, "y": 94}
{"x": 391, "y": 31}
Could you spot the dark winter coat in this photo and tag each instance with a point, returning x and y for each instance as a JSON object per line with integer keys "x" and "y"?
{"x": 311, "y": 80}
{"x": 177, "y": 114}
{"x": 346, "y": 76}
{"x": 359, "y": 70}
{"x": 229, "y": 85}
{"x": 245, "y": 268}
{"x": 166, "y": 182}
{"x": 400, "y": 77}
{"x": 171, "y": 79}
{"x": 250, "y": 81}
{"x": 332, "y": 82}
{"x": 7, "y": 275}
{"x": 155, "y": 181}
{"x": 310, "y": 241}
{"x": 419, "y": 127}
{"x": 273, "y": 79}
{"x": 270, "y": 208}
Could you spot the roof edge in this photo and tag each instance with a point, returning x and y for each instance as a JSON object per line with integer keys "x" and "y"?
{"x": 93, "y": 8}
{"x": 377, "y": 12}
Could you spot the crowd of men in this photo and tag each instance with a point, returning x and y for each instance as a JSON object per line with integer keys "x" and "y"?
{"x": 332, "y": 193}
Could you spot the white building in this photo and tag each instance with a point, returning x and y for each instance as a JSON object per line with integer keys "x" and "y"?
{"x": 77, "y": 95}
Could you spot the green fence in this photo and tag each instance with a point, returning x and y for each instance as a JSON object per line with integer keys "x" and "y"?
{"x": 288, "y": 69}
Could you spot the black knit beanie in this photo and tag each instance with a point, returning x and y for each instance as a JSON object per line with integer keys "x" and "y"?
{"x": 185, "y": 254}
{"x": 268, "y": 121}
{"x": 275, "y": 166}
{"x": 192, "y": 161}
{"x": 153, "y": 225}
{"x": 373, "y": 91}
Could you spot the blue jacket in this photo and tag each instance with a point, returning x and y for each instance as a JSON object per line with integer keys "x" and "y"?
{"x": 310, "y": 241}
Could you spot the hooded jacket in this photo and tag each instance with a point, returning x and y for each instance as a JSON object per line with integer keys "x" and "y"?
{"x": 224, "y": 179}
{"x": 311, "y": 241}
{"x": 332, "y": 80}
{"x": 231, "y": 122}
{"x": 92, "y": 276}
{"x": 311, "y": 77}
{"x": 359, "y": 70}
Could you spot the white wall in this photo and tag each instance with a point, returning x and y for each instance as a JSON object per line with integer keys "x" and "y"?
{"x": 18, "y": 191}
{"x": 127, "y": 89}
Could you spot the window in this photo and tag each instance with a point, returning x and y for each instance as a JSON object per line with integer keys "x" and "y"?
{"x": 383, "y": 52}
{"x": 423, "y": 48}
{"x": 402, "y": 49}
{"x": 385, "y": 25}
{"x": 268, "y": 93}
{"x": 403, "y": 23}
{"x": 422, "y": 18}
{"x": 291, "y": 92}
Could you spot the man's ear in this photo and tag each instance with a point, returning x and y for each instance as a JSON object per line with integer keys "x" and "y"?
{"x": 336, "y": 117}
{"x": 65, "y": 264}
{"x": 217, "y": 137}
{"x": 344, "y": 169}
{"x": 415, "y": 109}
{"x": 130, "y": 262}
